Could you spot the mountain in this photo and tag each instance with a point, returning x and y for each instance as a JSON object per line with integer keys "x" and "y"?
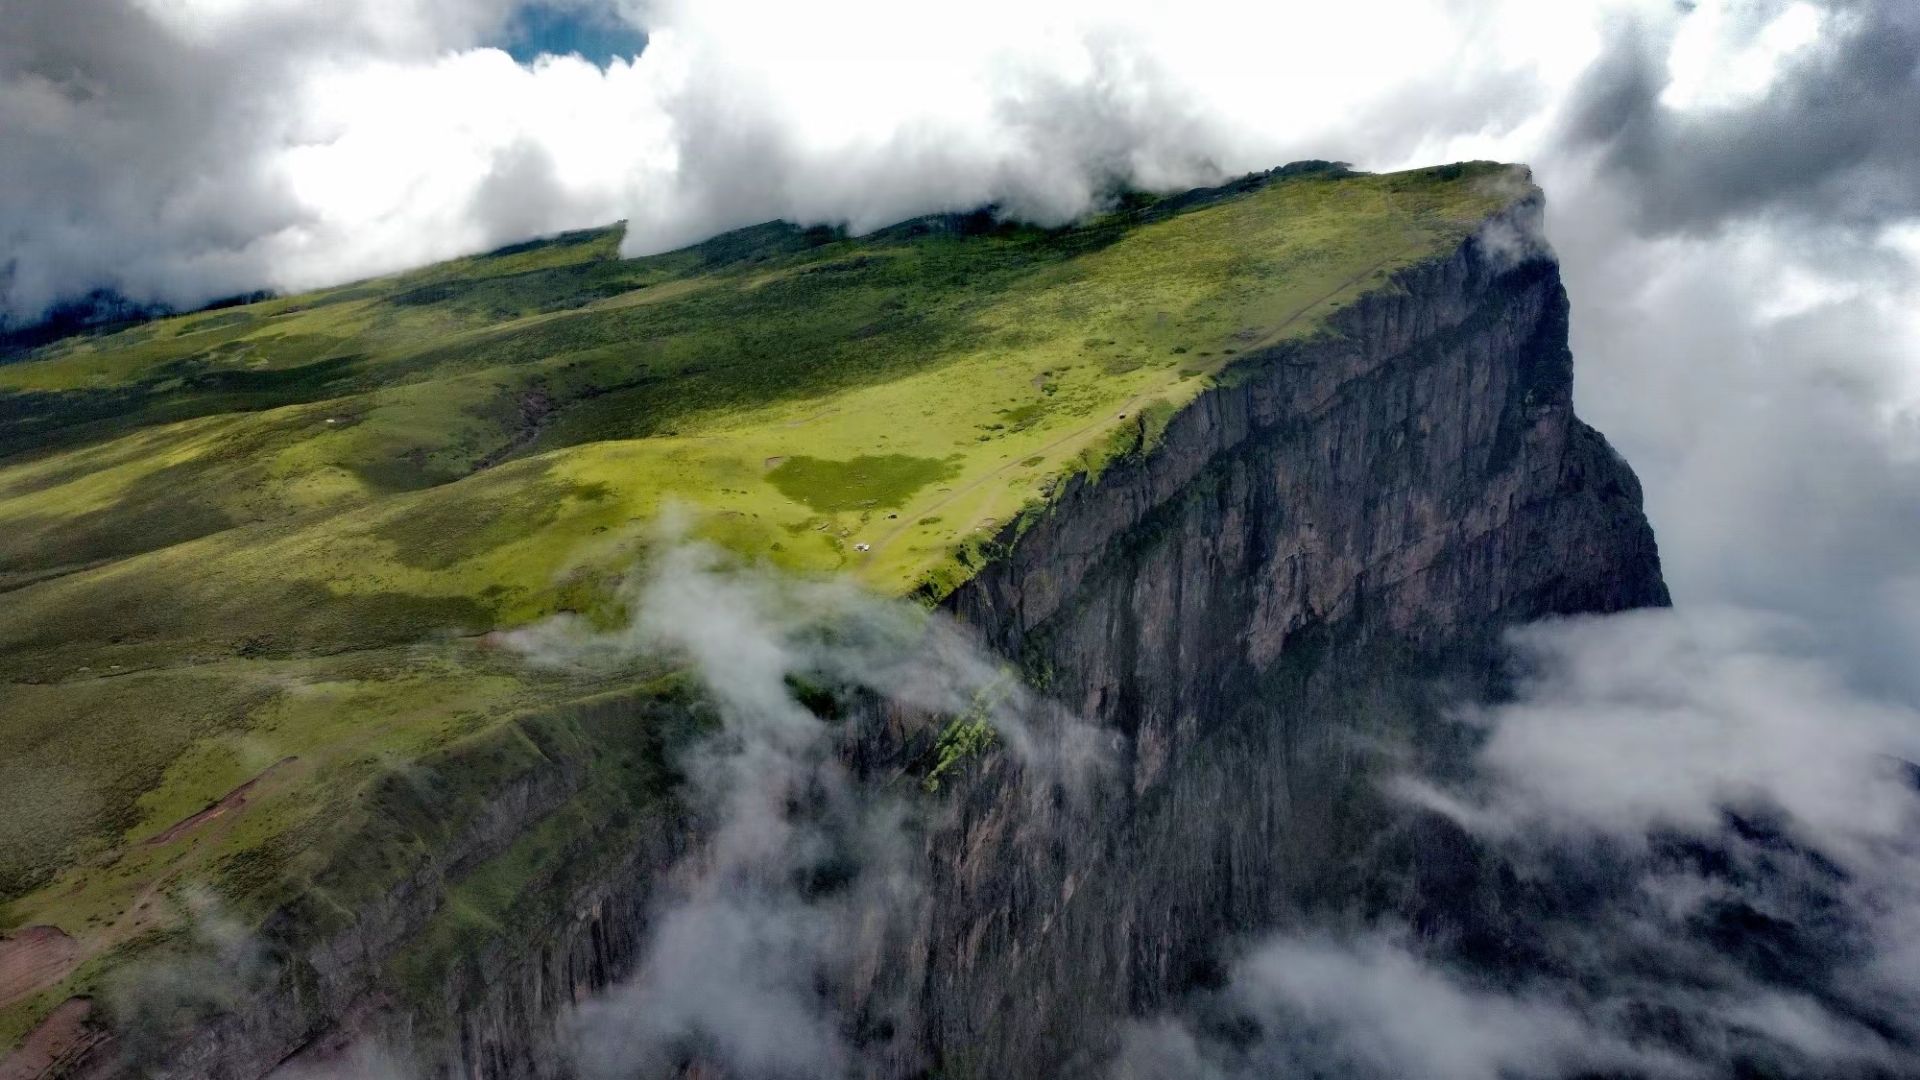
{"x": 1238, "y": 479}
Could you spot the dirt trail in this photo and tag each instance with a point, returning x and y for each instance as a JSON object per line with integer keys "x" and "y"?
{"x": 1127, "y": 408}
{"x": 32, "y": 959}
{"x": 232, "y": 800}
{"x": 57, "y": 1042}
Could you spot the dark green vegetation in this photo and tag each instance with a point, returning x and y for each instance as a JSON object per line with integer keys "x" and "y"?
{"x": 885, "y": 481}
{"x": 269, "y": 543}
{"x": 966, "y": 737}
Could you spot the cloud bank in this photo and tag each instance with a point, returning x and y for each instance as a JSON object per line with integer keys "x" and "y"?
{"x": 1700, "y": 860}
{"x": 179, "y": 149}
{"x": 1734, "y": 186}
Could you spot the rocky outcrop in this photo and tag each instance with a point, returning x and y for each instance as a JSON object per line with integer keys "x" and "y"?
{"x": 1286, "y": 582}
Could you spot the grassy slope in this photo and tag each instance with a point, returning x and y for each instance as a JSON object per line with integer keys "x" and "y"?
{"x": 277, "y": 530}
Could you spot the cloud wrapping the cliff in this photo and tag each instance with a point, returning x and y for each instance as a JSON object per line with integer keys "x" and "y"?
{"x": 1372, "y": 1007}
{"x": 214, "y": 964}
{"x": 1700, "y": 857}
{"x": 737, "y": 623}
{"x": 774, "y": 938}
{"x": 358, "y": 1061}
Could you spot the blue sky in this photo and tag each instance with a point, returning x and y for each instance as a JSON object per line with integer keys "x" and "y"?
{"x": 594, "y": 33}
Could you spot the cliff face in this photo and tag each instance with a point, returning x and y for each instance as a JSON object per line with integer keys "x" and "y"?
{"x": 1258, "y": 606}
{"x": 1254, "y": 606}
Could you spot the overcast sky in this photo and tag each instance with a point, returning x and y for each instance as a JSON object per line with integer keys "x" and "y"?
{"x": 1735, "y": 186}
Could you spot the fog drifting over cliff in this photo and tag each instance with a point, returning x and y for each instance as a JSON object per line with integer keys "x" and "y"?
{"x": 1734, "y": 193}
{"x": 1697, "y": 858}
{"x": 802, "y": 895}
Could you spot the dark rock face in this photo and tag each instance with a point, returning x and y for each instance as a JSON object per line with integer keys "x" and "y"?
{"x": 1256, "y": 607}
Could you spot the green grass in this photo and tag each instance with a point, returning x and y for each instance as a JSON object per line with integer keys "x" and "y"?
{"x": 962, "y": 740}
{"x": 617, "y": 743}
{"x": 282, "y": 529}
{"x": 883, "y": 481}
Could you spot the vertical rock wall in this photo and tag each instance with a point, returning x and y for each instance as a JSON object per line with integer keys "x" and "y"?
{"x": 1258, "y": 607}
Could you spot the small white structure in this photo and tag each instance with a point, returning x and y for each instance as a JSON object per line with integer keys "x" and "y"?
{"x": 863, "y": 547}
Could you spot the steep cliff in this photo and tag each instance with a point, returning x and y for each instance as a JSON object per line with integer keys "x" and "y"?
{"x": 1266, "y": 602}
{"x": 1266, "y": 606}
{"x": 1262, "y": 595}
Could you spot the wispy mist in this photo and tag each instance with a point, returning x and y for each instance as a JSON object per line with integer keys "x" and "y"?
{"x": 1373, "y": 1007}
{"x": 1697, "y": 857}
{"x": 782, "y": 934}
{"x": 209, "y": 967}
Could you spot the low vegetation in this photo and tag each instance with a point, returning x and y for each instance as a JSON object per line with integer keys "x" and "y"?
{"x": 269, "y": 543}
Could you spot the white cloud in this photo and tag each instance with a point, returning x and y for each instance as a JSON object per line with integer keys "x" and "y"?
{"x": 1654, "y": 720}
{"x": 750, "y": 964}
{"x": 1689, "y": 851}
{"x": 1729, "y": 53}
{"x": 1371, "y": 1007}
{"x": 372, "y": 131}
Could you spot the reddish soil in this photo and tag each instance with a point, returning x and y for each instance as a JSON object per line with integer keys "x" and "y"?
{"x": 59, "y": 1040}
{"x": 32, "y": 959}
{"x": 232, "y": 800}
